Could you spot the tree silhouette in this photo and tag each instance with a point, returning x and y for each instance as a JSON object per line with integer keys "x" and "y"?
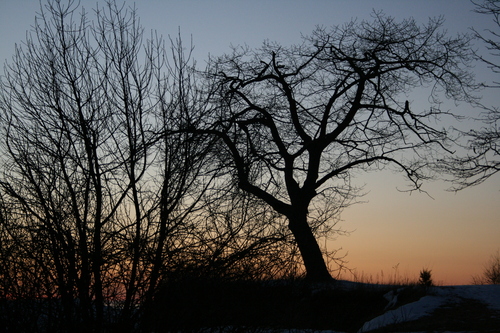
{"x": 102, "y": 198}
{"x": 296, "y": 123}
{"x": 94, "y": 193}
{"x": 483, "y": 146}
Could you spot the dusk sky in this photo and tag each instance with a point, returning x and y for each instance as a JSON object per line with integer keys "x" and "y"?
{"x": 394, "y": 232}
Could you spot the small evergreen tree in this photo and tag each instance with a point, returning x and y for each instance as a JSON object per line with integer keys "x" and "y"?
{"x": 425, "y": 278}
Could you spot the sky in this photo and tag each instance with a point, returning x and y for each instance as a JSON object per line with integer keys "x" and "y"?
{"x": 394, "y": 234}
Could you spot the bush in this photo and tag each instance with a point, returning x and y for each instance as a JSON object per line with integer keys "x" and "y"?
{"x": 425, "y": 278}
{"x": 193, "y": 304}
{"x": 491, "y": 272}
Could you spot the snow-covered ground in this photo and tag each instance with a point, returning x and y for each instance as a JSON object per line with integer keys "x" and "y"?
{"x": 437, "y": 297}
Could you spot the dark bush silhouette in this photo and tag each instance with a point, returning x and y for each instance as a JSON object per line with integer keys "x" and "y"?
{"x": 192, "y": 303}
{"x": 425, "y": 278}
{"x": 491, "y": 272}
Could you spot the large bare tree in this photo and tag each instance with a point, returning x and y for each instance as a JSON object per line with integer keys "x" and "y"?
{"x": 296, "y": 123}
{"x": 102, "y": 198}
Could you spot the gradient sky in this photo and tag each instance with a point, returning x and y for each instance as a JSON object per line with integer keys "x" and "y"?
{"x": 394, "y": 233}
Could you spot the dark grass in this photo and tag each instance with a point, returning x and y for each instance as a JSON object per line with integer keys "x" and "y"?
{"x": 201, "y": 304}
{"x": 193, "y": 304}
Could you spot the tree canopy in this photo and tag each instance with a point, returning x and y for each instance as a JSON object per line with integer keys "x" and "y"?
{"x": 297, "y": 121}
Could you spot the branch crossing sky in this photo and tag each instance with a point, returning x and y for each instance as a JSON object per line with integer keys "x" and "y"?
{"x": 395, "y": 234}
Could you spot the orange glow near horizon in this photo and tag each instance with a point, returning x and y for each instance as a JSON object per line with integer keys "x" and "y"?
{"x": 395, "y": 233}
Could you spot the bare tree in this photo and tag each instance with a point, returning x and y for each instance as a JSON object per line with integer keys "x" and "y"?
{"x": 103, "y": 192}
{"x": 483, "y": 145}
{"x": 296, "y": 123}
{"x": 95, "y": 191}
{"x": 491, "y": 38}
{"x": 491, "y": 272}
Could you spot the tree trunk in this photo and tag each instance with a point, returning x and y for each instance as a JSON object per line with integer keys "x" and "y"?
{"x": 314, "y": 263}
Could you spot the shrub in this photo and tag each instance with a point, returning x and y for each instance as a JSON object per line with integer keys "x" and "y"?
{"x": 425, "y": 278}
{"x": 491, "y": 272}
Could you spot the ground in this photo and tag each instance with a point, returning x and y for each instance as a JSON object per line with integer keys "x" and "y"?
{"x": 215, "y": 305}
{"x": 330, "y": 307}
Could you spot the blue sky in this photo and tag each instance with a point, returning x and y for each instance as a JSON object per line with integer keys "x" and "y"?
{"x": 452, "y": 234}
{"x": 216, "y": 24}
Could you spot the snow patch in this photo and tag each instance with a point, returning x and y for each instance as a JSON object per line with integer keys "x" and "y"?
{"x": 408, "y": 312}
{"x": 437, "y": 297}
